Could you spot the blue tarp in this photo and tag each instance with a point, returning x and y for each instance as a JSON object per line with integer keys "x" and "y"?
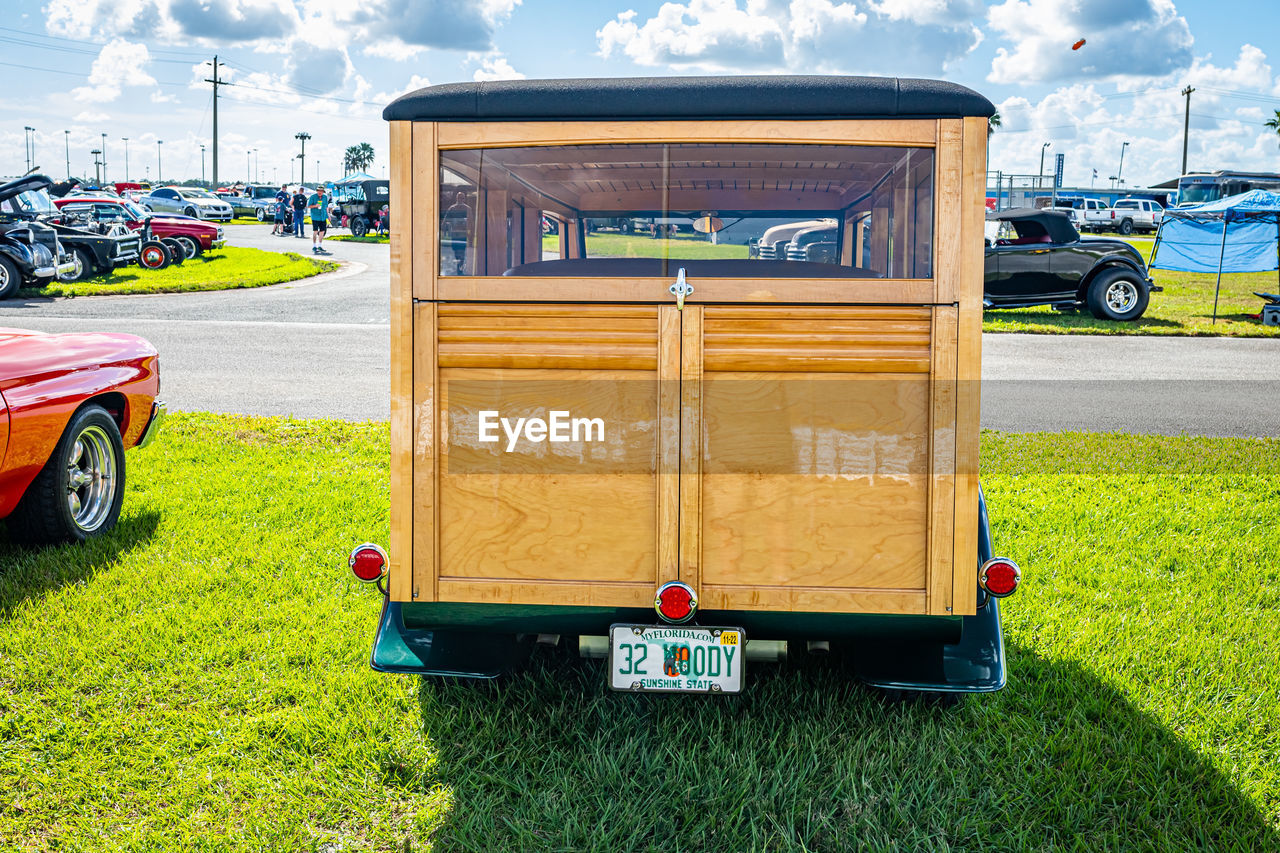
{"x": 1191, "y": 239}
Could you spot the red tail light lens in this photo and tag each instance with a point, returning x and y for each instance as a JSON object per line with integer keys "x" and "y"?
{"x": 368, "y": 562}
{"x": 676, "y": 602}
{"x": 999, "y": 577}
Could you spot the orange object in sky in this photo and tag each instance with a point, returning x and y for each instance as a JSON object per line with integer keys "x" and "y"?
{"x": 1078, "y": 45}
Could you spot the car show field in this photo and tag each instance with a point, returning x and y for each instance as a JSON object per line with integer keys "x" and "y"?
{"x": 228, "y": 268}
{"x": 242, "y": 713}
{"x": 689, "y": 428}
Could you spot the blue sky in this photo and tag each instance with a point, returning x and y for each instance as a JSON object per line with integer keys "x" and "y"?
{"x": 132, "y": 68}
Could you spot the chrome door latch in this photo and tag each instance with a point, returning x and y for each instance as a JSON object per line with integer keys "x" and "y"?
{"x": 680, "y": 289}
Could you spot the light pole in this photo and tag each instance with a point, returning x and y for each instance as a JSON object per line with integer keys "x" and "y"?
{"x": 1040, "y": 174}
{"x": 66, "y": 138}
{"x": 302, "y": 136}
{"x": 97, "y": 163}
{"x": 104, "y": 157}
{"x": 248, "y": 177}
{"x": 257, "y": 175}
{"x": 29, "y": 145}
{"x": 126, "y": 158}
{"x": 1120, "y": 171}
{"x": 202, "y": 165}
{"x": 159, "y": 162}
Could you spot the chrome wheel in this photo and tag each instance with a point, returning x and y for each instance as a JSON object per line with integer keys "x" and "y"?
{"x": 1121, "y": 296}
{"x": 90, "y": 481}
{"x": 77, "y": 273}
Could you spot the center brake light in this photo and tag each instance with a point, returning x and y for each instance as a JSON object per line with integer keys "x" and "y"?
{"x": 676, "y": 602}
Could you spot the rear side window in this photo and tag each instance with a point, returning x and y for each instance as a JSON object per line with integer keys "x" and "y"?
{"x": 625, "y": 211}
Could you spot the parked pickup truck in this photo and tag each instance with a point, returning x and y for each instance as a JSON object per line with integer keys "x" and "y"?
{"x": 1087, "y": 214}
{"x": 1136, "y": 214}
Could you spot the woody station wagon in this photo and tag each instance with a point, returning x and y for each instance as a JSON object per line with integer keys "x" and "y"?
{"x": 620, "y": 426}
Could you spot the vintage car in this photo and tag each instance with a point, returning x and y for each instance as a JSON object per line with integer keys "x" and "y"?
{"x": 193, "y": 235}
{"x": 70, "y": 404}
{"x": 252, "y": 201}
{"x": 688, "y": 466}
{"x": 30, "y": 253}
{"x": 1036, "y": 257}
{"x": 81, "y": 248}
{"x": 189, "y": 201}
{"x": 359, "y": 204}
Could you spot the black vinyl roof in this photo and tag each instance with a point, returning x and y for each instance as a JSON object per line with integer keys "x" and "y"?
{"x": 1056, "y": 223}
{"x": 794, "y": 97}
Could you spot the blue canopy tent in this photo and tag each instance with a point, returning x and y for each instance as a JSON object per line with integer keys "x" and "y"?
{"x": 1240, "y": 233}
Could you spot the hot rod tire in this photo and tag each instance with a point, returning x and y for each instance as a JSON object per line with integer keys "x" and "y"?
{"x": 177, "y": 254}
{"x": 1117, "y": 295}
{"x": 190, "y": 246}
{"x": 85, "y": 267}
{"x": 77, "y": 495}
{"x": 154, "y": 255}
{"x": 10, "y": 278}
{"x": 359, "y": 227}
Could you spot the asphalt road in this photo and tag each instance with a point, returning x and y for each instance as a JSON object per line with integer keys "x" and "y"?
{"x": 319, "y": 348}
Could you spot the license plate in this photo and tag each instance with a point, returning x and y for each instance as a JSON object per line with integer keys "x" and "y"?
{"x": 675, "y": 659}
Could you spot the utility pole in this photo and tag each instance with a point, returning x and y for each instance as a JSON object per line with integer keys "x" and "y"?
{"x": 1186, "y": 127}
{"x": 1120, "y": 171}
{"x": 216, "y": 83}
{"x": 126, "y": 158}
{"x": 302, "y": 136}
{"x": 66, "y": 138}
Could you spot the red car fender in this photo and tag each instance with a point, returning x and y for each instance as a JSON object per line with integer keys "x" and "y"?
{"x": 45, "y": 378}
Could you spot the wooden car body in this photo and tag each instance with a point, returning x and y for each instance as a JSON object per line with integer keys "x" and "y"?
{"x": 796, "y": 441}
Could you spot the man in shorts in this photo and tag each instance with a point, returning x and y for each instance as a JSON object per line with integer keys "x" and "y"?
{"x": 318, "y": 205}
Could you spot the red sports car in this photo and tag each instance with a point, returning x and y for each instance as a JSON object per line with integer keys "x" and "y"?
{"x": 69, "y": 406}
{"x": 196, "y": 236}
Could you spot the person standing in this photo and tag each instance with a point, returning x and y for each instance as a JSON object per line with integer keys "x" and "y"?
{"x": 282, "y": 202}
{"x": 318, "y": 206}
{"x": 299, "y": 203}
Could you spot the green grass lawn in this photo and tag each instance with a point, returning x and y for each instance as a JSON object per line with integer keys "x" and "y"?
{"x": 1185, "y": 307}
{"x": 682, "y": 246}
{"x": 368, "y": 238}
{"x": 222, "y": 269}
{"x": 198, "y": 680}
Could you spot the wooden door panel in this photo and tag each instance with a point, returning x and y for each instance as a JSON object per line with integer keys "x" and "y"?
{"x": 530, "y": 520}
{"x": 816, "y": 451}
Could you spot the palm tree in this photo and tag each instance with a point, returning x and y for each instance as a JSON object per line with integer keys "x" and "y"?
{"x": 1274, "y": 123}
{"x": 357, "y": 158}
{"x": 994, "y": 122}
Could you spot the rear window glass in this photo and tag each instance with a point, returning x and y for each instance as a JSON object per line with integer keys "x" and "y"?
{"x": 731, "y": 210}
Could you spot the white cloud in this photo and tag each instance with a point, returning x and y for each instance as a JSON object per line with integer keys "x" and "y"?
{"x": 90, "y": 117}
{"x": 207, "y": 21}
{"x": 496, "y": 67}
{"x": 811, "y": 36}
{"x": 1090, "y": 126}
{"x": 1136, "y": 38}
{"x": 119, "y": 64}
